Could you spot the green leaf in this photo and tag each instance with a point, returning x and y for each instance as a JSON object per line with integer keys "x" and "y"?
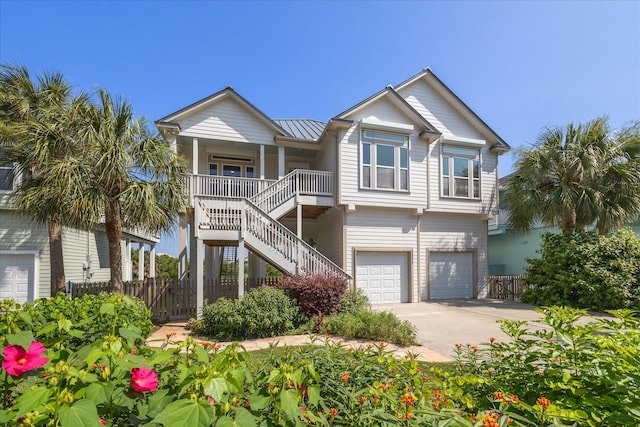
{"x": 31, "y": 400}
{"x": 187, "y": 413}
{"x": 289, "y": 403}
{"x": 25, "y": 317}
{"x": 258, "y": 401}
{"x": 160, "y": 357}
{"x": 64, "y": 325}
{"x": 130, "y": 333}
{"x": 99, "y": 392}
{"x": 82, "y": 413}
{"x": 314, "y": 394}
{"x": 23, "y": 339}
{"x": 216, "y": 388}
{"x": 201, "y": 354}
{"x": 107, "y": 308}
{"x": 93, "y": 356}
{"x": 244, "y": 418}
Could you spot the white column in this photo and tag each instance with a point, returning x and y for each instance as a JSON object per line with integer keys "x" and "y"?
{"x": 197, "y": 275}
{"x": 299, "y": 219}
{"x": 141, "y": 261}
{"x": 280, "y": 162}
{"x": 128, "y": 275}
{"x": 152, "y": 262}
{"x": 173, "y": 143}
{"x": 194, "y": 157}
{"x": 261, "y": 161}
{"x": 182, "y": 249}
{"x": 241, "y": 268}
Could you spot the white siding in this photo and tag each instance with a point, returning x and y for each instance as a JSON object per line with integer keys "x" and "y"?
{"x": 451, "y": 232}
{"x": 383, "y": 229}
{"x": 76, "y": 245}
{"x": 440, "y": 113}
{"x": 227, "y": 120}
{"x": 330, "y": 235}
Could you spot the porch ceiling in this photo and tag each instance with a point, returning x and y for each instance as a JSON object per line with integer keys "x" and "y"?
{"x": 308, "y": 212}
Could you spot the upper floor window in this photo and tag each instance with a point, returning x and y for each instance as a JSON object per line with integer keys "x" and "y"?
{"x": 384, "y": 161}
{"x": 460, "y": 172}
{"x": 6, "y": 177}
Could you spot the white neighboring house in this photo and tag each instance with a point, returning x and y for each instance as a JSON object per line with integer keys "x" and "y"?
{"x": 25, "y": 273}
{"x": 393, "y": 193}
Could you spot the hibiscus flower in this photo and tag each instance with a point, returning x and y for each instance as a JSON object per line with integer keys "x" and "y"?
{"x": 144, "y": 379}
{"x": 17, "y": 360}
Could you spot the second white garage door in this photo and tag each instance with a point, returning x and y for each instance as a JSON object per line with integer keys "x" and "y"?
{"x": 450, "y": 275}
{"x": 383, "y": 276}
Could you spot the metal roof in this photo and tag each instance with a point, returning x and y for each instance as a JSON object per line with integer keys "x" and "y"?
{"x": 302, "y": 128}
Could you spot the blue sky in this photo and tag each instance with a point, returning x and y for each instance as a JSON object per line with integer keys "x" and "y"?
{"x": 521, "y": 66}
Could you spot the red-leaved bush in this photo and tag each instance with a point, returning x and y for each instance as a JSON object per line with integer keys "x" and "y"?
{"x": 317, "y": 295}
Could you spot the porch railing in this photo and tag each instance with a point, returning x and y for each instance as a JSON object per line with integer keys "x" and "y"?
{"x": 303, "y": 182}
{"x": 173, "y": 299}
{"x": 243, "y": 215}
{"x": 225, "y": 186}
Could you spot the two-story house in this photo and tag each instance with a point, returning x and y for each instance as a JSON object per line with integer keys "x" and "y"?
{"x": 393, "y": 193}
{"x": 25, "y": 273}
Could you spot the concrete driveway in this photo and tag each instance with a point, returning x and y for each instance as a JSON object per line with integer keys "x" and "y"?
{"x": 440, "y": 325}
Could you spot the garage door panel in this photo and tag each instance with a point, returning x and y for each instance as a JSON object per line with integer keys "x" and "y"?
{"x": 383, "y": 276}
{"x": 450, "y": 275}
{"x": 17, "y": 277}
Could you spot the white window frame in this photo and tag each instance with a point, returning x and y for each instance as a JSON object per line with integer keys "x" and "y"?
{"x": 371, "y": 139}
{"x": 473, "y": 157}
{"x": 9, "y": 168}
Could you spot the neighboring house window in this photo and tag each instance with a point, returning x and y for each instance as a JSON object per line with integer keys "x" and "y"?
{"x": 384, "y": 161}
{"x": 460, "y": 172}
{"x": 6, "y": 177}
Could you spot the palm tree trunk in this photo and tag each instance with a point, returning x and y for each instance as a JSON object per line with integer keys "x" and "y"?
{"x": 113, "y": 226}
{"x": 56, "y": 258}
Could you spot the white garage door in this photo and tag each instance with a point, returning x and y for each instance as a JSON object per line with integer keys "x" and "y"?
{"x": 450, "y": 275}
{"x": 383, "y": 276}
{"x": 17, "y": 277}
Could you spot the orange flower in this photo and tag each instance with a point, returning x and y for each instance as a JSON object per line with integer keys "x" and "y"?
{"x": 492, "y": 340}
{"x": 333, "y": 412}
{"x": 498, "y": 395}
{"x": 362, "y": 399}
{"x": 543, "y": 401}
{"x": 514, "y": 399}
{"x": 490, "y": 420}
{"x": 408, "y": 399}
{"x": 344, "y": 377}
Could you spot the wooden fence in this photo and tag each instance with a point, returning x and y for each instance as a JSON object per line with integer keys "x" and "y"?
{"x": 505, "y": 287}
{"x": 172, "y": 299}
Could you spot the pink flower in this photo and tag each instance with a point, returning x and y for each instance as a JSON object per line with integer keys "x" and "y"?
{"x": 17, "y": 361}
{"x": 102, "y": 421}
{"x": 144, "y": 379}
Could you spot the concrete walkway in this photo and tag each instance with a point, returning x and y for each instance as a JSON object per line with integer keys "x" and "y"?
{"x": 177, "y": 332}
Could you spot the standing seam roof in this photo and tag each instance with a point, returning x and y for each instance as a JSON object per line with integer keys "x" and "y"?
{"x": 302, "y": 128}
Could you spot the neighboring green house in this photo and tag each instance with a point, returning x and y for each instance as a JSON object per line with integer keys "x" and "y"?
{"x": 24, "y": 251}
{"x": 508, "y": 251}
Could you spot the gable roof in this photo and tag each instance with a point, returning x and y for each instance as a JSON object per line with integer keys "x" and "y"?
{"x": 400, "y": 101}
{"x": 170, "y": 121}
{"x": 431, "y": 78}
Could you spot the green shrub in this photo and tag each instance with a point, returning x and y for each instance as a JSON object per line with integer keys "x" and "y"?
{"x": 582, "y": 269}
{"x": 353, "y": 301}
{"x": 317, "y": 295}
{"x": 109, "y": 311}
{"x": 370, "y": 325}
{"x": 262, "y": 312}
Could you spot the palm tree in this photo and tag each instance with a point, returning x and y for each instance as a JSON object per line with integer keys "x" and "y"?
{"x": 38, "y": 127}
{"x": 137, "y": 181}
{"x": 583, "y": 176}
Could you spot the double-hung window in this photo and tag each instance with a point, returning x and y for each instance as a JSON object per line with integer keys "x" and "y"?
{"x": 460, "y": 172}
{"x": 384, "y": 161}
